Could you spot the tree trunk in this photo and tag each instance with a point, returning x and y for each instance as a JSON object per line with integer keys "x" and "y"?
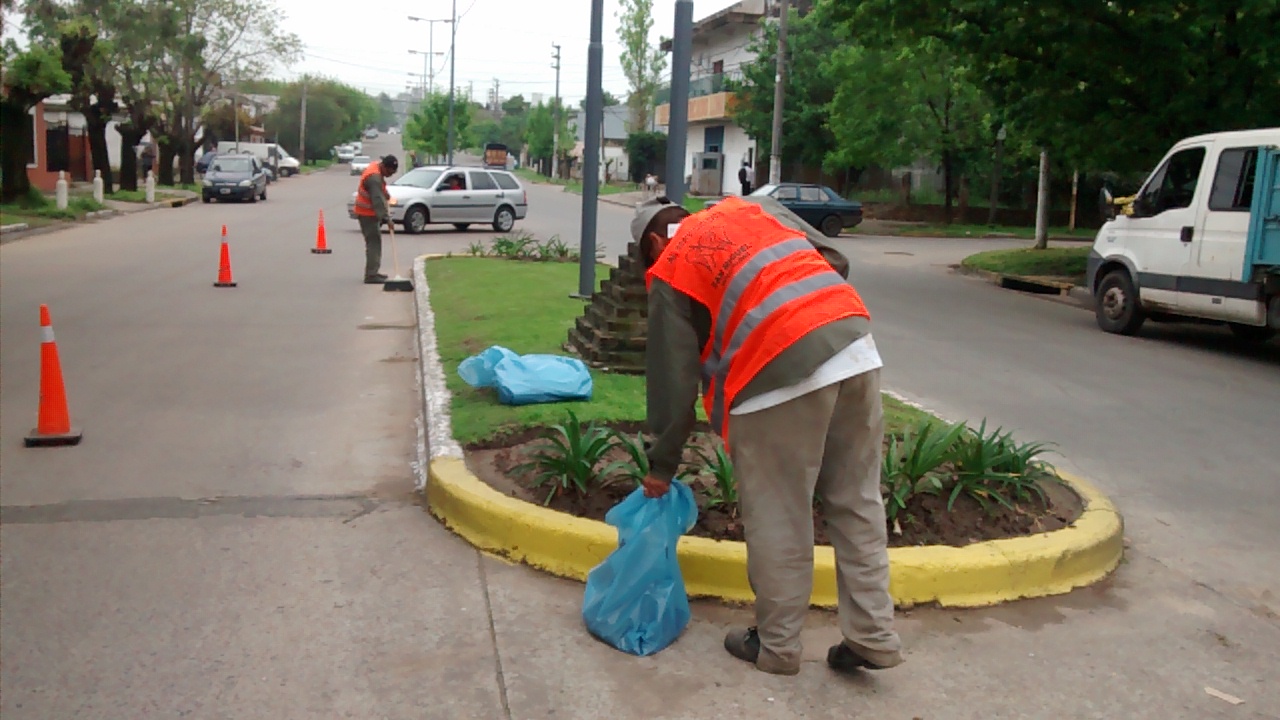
{"x": 130, "y": 136}
{"x": 98, "y": 149}
{"x": 948, "y": 181}
{"x": 187, "y": 160}
{"x": 167, "y": 153}
{"x": 14, "y": 141}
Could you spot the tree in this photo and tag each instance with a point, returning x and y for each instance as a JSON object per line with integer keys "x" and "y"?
{"x": 220, "y": 125}
{"x": 646, "y": 153}
{"x": 642, "y": 63}
{"x": 82, "y": 31}
{"x": 540, "y": 130}
{"x": 1106, "y": 84}
{"x": 145, "y": 31}
{"x": 609, "y": 101}
{"x": 335, "y": 114}
{"x": 219, "y": 41}
{"x": 386, "y": 112}
{"x": 427, "y": 131}
{"x": 903, "y": 101}
{"x": 810, "y": 89}
{"x": 29, "y": 76}
{"x": 515, "y": 105}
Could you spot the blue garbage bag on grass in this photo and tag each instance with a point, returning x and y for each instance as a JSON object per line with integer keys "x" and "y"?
{"x": 527, "y": 379}
{"x": 635, "y": 600}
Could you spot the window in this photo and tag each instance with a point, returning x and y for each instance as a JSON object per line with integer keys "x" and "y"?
{"x": 505, "y": 181}
{"x": 419, "y": 178}
{"x": 453, "y": 181}
{"x": 717, "y": 67}
{"x": 787, "y": 192}
{"x": 1233, "y": 182}
{"x": 812, "y": 194}
{"x": 482, "y": 181}
{"x": 1174, "y": 184}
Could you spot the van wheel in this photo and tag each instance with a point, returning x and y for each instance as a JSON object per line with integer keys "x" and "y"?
{"x": 831, "y": 226}
{"x": 415, "y": 220}
{"x": 1116, "y": 304}
{"x": 1252, "y": 334}
{"x": 504, "y": 220}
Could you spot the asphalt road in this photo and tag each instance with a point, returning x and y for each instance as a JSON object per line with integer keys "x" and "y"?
{"x": 237, "y": 537}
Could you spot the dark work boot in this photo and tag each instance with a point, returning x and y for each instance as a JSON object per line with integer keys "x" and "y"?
{"x": 375, "y": 279}
{"x": 845, "y": 659}
{"x": 745, "y": 645}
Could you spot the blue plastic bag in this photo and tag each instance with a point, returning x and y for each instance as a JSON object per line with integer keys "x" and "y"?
{"x": 635, "y": 600}
{"x": 527, "y": 379}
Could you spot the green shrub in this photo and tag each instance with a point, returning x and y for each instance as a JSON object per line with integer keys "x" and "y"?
{"x": 568, "y": 457}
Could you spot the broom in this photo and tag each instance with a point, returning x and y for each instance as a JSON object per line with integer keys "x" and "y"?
{"x": 397, "y": 283}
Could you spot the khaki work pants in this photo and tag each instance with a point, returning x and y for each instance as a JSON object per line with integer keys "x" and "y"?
{"x": 829, "y": 441}
{"x": 371, "y": 228}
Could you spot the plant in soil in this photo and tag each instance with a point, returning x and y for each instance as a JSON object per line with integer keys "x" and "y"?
{"x": 567, "y": 458}
{"x": 993, "y": 467}
{"x": 723, "y": 491}
{"x": 636, "y": 466}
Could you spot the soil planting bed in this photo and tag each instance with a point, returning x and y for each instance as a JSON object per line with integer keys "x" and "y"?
{"x": 926, "y": 521}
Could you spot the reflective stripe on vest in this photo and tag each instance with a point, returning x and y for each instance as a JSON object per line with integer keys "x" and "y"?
{"x": 364, "y": 202}
{"x": 782, "y": 290}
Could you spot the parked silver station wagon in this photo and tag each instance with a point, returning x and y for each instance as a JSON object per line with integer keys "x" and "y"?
{"x": 461, "y": 196}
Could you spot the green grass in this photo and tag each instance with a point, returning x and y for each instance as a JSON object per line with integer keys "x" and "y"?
{"x": 316, "y": 165}
{"x": 611, "y": 189}
{"x": 1057, "y": 262}
{"x": 37, "y": 205}
{"x": 532, "y": 314}
{"x": 693, "y": 204}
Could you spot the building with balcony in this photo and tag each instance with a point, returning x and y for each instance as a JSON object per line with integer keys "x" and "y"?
{"x": 721, "y": 45}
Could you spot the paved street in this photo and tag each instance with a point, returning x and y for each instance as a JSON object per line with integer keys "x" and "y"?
{"x": 237, "y": 535}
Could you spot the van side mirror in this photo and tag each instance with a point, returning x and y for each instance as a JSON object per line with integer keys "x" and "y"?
{"x": 1106, "y": 204}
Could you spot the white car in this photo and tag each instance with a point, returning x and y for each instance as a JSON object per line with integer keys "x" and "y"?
{"x": 345, "y": 153}
{"x": 359, "y": 163}
{"x": 460, "y": 196}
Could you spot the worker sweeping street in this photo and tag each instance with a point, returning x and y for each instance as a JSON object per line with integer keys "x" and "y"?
{"x": 372, "y": 211}
{"x": 747, "y": 303}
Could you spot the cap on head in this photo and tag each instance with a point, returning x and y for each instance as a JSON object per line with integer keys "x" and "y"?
{"x": 646, "y": 212}
{"x": 390, "y": 163}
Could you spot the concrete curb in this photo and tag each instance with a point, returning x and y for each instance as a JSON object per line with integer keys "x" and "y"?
{"x": 1018, "y": 282}
{"x": 984, "y": 573}
{"x": 14, "y": 227}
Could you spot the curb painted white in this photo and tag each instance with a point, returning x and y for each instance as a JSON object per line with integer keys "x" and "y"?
{"x": 15, "y": 227}
{"x": 435, "y": 428}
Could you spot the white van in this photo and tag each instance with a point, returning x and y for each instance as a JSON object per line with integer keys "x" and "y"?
{"x": 286, "y": 163}
{"x": 1200, "y": 241}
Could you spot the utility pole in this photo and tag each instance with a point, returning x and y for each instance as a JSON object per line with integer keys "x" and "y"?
{"x": 591, "y": 149}
{"x": 453, "y": 56}
{"x": 779, "y": 95}
{"x": 497, "y": 98}
{"x": 1042, "y": 203}
{"x": 302, "y": 125}
{"x": 995, "y": 176}
{"x": 431, "y": 51}
{"x": 555, "y": 112}
{"x": 678, "y": 125}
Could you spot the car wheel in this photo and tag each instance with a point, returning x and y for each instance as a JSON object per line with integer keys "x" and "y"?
{"x": 504, "y": 219}
{"x": 830, "y": 226}
{"x": 1252, "y": 334}
{"x": 462, "y": 227}
{"x": 206, "y": 199}
{"x": 1116, "y": 304}
{"x": 253, "y": 197}
{"x": 264, "y": 194}
{"x": 415, "y": 220}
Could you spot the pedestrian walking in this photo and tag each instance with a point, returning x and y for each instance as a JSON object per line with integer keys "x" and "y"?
{"x": 372, "y": 211}
{"x": 745, "y": 301}
{"x": 749, "y": 180}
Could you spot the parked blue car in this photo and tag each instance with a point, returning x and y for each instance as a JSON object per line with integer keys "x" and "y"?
{"x": 818, "y": 205}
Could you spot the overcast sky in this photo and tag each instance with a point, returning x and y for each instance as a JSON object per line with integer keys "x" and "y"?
{"x": 368, "y": 45}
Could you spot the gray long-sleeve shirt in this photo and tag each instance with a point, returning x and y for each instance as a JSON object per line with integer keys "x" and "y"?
{"x": 375, "y": 185}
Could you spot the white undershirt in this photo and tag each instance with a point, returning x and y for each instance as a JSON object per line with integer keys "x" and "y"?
{"x": 859, "y": 357}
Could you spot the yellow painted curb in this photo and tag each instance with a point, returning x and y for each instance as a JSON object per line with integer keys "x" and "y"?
{"x": 984, "y": 573}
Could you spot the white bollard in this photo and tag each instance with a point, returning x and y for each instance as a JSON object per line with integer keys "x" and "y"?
{"x": 151, "y": 187}
{"x": 97, "y": 186}
{"x": 60, "y": 190}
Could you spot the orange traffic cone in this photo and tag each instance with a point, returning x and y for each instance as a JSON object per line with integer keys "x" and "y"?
{"x": 53, "y": 425}
{"x": 322, "y": 247}
{"x": 224, "y": 267}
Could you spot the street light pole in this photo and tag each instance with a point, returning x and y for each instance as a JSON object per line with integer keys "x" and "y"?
{"x": 779, "y": 96}
{"x": 431, "y": 46}
{"x": 453, "y": 57}
{"x": 591, "y": 152}
{"x": 678, "y": 122}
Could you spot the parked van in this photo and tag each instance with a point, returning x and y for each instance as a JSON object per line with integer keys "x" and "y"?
{"x": 267, "y": 153}
{"x": 1200, "y": 241}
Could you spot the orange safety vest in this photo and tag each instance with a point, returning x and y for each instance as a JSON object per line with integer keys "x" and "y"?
{"x": 364, "y": 202}
{"x": 765, "y": 285}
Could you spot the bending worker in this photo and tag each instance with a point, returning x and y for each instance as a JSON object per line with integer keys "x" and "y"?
{"x": 371, "y": 210}
{"x": 758, "y": 312}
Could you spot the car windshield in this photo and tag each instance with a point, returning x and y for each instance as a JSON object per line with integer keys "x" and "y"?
{"x": 419, "y": 178}
{"x": 765, "y": 190}
{"x": 360, "y": 159}
{"x": 232, "y": 165}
